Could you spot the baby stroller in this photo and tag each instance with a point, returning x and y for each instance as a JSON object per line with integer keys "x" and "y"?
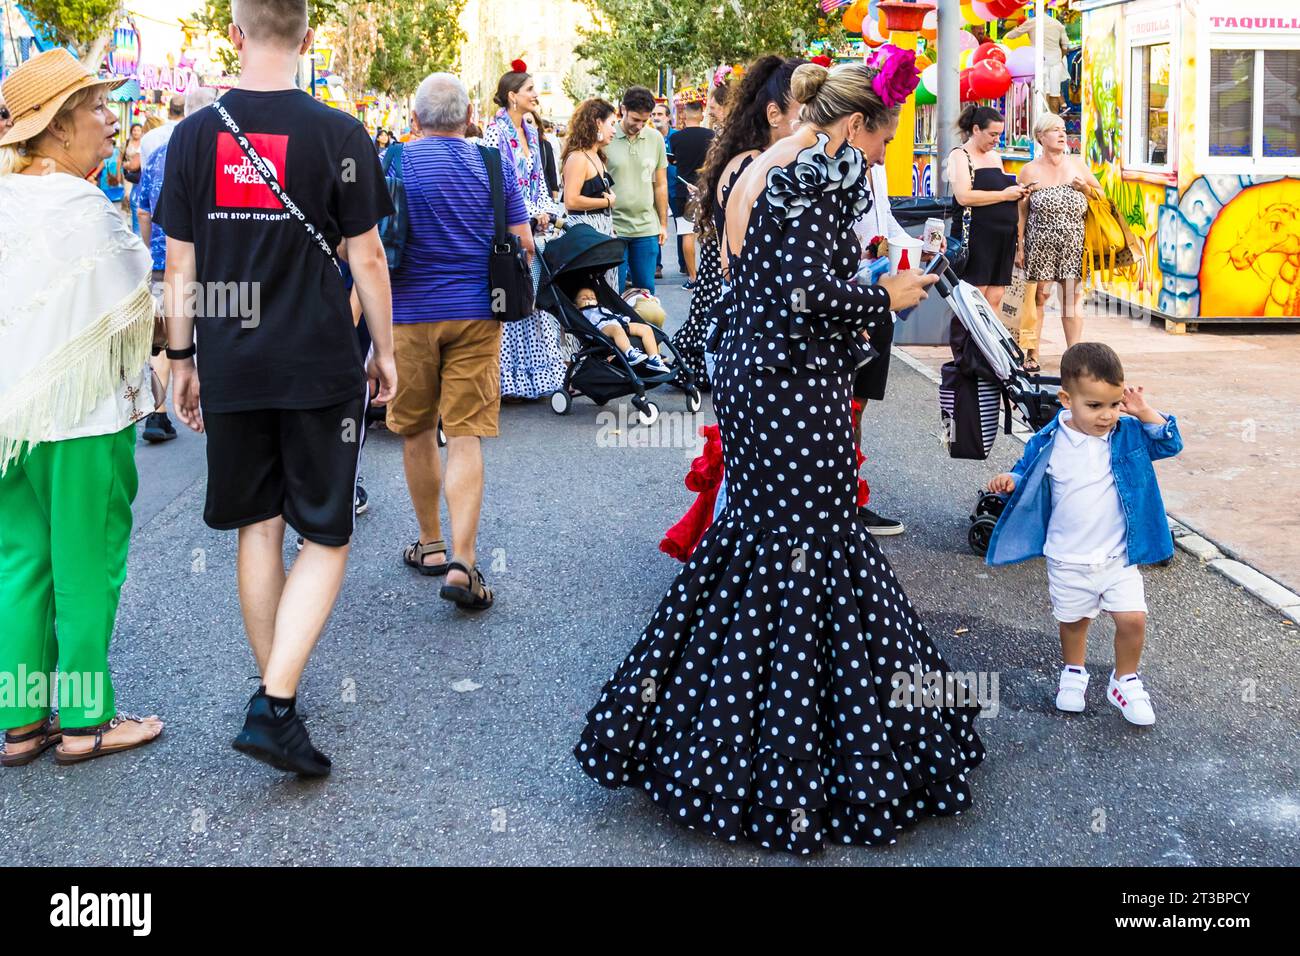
{"x": 578, "y": 258}
{"x": 985, "y": 379}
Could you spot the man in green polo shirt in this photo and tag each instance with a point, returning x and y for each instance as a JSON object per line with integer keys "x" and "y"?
{"x": 638, "y": 162}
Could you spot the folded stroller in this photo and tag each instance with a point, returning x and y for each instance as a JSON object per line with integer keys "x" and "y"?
{"x": 579, "y": 257}
{"x": 985, "y": 379}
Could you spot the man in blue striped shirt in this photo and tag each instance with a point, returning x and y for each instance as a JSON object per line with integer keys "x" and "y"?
{"x": 446, "y": 338}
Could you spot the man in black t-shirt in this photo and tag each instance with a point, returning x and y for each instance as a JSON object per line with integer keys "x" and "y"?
{"x": 284, "y": 383}
{"x": 690, "y": 144}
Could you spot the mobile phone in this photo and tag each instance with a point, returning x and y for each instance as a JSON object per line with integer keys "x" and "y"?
{"x": 937, "y": 266}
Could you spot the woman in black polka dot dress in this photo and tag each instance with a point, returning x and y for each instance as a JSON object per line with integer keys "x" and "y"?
{"x": 774, "y": 695}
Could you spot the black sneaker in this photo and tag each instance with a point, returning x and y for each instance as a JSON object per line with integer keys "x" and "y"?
{"x": 278, "y": 737}
{"x": 688, "y": 284}
{"x": 878, "y": 525}
{"x": 360, "y": 501}
{"x": 158, "y": 428}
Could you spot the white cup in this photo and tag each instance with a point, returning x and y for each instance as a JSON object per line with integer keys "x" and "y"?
{"x": 896, "y": 247}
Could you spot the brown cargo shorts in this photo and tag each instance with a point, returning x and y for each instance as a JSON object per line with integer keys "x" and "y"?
{"x": 450, "y": 370}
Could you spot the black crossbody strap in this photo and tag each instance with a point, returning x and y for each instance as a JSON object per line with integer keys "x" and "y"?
{"x": 497, "y": 188}
{"x": 273, "y": 184}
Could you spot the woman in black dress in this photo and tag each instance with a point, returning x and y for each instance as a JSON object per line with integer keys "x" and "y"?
{"x": 764, "y": 112}
{"x": 980, "y": 185}
{"x": 772, "y": 696}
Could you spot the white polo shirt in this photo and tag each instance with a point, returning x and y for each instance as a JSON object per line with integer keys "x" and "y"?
{"x": 1087, "y": 524}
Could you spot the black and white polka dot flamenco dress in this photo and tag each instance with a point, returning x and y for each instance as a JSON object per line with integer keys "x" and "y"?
{"x": 772, "y": 697}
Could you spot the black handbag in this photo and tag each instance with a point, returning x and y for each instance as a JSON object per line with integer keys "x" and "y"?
{"x": 959, "y": 245}
{"x": 510, "y": 281}
{"x": 393, "y": 229}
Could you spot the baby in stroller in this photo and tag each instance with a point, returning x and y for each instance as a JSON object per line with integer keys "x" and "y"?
{"x": 617, "y": 330}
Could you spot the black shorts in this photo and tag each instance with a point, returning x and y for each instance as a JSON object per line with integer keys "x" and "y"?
{"x": 870, "y": 381}
{"x": 992, "y": 255}
{"x": 299, "y": 463}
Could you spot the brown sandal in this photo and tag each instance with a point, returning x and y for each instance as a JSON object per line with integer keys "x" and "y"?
{"x": 64, "y": 758}
{"x": 50, "y": 736}
{"x": 414, "y": 557}
{"x": 476, "y": 597}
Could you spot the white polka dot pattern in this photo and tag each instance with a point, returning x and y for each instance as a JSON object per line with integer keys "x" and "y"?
{"x": 756, "y": 704}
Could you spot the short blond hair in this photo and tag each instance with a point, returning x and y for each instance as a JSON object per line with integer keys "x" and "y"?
{"x": 1046, "y": 121}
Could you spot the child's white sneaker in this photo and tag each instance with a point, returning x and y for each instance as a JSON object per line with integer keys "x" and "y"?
{"x": 1070, "y": 693}
{"x": 1132, "y": 699}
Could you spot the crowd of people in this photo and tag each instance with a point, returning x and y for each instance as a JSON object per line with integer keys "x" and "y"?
{"x": 758, "y": 701}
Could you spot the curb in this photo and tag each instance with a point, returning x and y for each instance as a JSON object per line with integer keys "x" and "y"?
{"x": 1281, "y": 599}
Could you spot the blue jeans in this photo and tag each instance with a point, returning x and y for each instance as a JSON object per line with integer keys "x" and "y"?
{"x": 639, "y": 262}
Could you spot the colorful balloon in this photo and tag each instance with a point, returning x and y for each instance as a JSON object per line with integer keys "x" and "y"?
{"x": 930, "y": 26}
{"x": 873, "y": 36}
{"x": 854, "y": 15}
{"x": 1003, "y": 9}
{"x": 982, "y": 10}
{"x": 989, "y": 51}
{"x": 922, "y": 61}
{"x": 1020, "y": 62}
{"x": 966, "y": 40}
{"x": 923, "y": 95}
{"x": 970, "y": 16}
{"x": 963, "y": 61}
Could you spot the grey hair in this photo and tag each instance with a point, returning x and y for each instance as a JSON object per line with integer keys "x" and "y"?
{"x": 441, "y": 103}
{"x": 199, "y": 97}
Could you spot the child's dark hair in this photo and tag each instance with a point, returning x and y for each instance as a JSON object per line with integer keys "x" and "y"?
{"x": 1091, "y": 360}
{"x": 973, "y": 116}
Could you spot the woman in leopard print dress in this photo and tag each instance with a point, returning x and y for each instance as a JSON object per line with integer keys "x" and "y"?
{"x": 1052, "y": 218}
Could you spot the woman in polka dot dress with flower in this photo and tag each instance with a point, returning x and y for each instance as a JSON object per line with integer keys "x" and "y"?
{"x": 532, "y": 353}
{"x": 773, "y": 696}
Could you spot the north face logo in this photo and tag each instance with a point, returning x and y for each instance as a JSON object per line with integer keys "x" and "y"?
{"x": 238, "y": 183}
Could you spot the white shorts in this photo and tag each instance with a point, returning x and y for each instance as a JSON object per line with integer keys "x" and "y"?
{"x": 1084, "y": 590}
{"x": 685, "y": 226}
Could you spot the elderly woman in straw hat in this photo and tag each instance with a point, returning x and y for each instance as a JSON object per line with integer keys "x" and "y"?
{"x": 76, "y": 325}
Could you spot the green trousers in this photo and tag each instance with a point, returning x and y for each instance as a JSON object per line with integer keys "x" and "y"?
{"x": 65, "y": 522}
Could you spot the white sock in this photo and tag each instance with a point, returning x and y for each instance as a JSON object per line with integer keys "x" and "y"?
{"x": 1125, "y": 677}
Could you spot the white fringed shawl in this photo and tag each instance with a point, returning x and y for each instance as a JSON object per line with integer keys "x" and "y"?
{"x": 76, "y": 314}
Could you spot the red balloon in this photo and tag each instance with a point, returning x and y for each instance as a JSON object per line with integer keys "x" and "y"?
{"x": 990, "y": 79}
{"x": 988, "y": 50}
{"x": 1003, "y": 9}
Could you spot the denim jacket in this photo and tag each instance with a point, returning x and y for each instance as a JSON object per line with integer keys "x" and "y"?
{"x": 1021, "y": 531}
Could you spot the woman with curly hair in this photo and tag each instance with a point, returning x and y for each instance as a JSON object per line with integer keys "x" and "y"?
{"x": 586, "y": 182}
{"x": 762, "y": 113}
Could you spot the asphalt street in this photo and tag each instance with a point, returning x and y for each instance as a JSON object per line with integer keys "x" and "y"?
{"x": 451, "y": 734}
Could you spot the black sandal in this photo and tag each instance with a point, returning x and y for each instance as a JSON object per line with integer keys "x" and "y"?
{"x": 64, "y": 758}
{"x": 476, "y": 597}
{"x": 1032, "y": 367}
{"x": 414, "y": 557}
{"x": 49, "y": 738}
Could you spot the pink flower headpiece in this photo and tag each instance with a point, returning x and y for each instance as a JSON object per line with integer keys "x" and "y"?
{"x": 896, "y": 73}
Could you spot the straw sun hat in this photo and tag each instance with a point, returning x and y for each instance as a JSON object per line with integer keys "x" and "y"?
{"x": 37, "y": 90}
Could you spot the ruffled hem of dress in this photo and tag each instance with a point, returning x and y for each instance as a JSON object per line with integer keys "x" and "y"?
{"x": 863, "y": 770}
{"x": 796, "y": 830}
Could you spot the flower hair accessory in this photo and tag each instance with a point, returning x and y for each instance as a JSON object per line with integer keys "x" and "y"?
{"x": 821, "y": 59}
{"x": 518, "y": 66}
{"x": 896, "y": 74}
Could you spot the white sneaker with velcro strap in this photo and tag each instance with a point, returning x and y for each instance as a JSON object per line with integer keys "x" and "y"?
{"x": 1132, "y": 700}
{"x": 1070, "y": 693}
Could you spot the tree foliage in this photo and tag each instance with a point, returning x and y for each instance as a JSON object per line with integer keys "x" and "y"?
{"x": 214, "y": 16}
{"x": 634, "y": 39}
{"x": 415, "y": 38}
{"x": 75, "y": 23}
